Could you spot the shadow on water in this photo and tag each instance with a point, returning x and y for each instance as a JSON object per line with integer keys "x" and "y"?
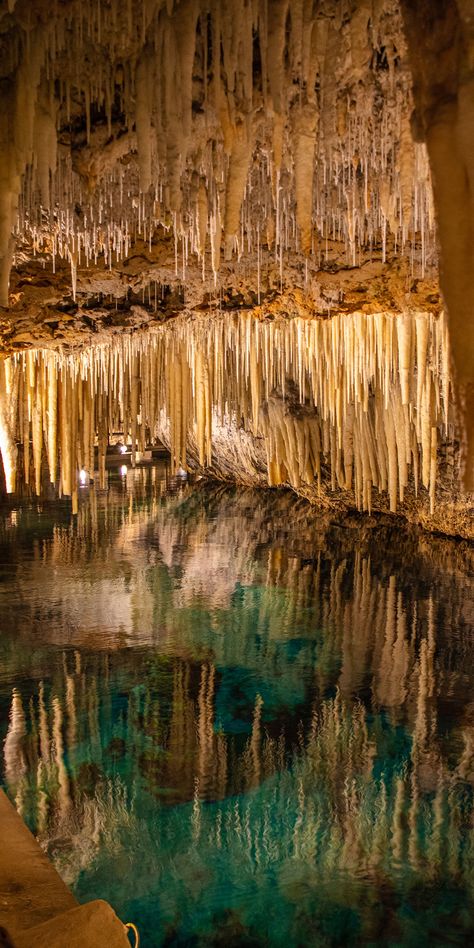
{"x": 240, "y": 724}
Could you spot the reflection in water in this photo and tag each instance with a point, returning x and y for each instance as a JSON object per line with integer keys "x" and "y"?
{"x": 284, "y": 751}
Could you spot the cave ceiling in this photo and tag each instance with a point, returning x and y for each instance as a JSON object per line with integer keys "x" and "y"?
{"x": 190, "y": 155}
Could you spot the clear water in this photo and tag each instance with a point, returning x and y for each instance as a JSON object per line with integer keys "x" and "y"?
{"x": 238, "y": 724}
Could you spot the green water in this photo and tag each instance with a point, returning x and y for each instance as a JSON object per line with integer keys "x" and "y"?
{"x": 238, "y": 724}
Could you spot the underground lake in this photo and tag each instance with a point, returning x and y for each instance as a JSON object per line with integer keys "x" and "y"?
{"x": 239, "y": 722}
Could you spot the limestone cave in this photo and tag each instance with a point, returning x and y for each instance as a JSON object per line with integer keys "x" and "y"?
{"x": 236, "y": 473}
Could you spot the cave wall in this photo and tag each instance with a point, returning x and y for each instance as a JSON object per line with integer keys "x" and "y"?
{"x": 440, "y": 35}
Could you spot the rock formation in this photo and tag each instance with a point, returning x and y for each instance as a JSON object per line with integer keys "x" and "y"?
{"x": 208, "y": 157}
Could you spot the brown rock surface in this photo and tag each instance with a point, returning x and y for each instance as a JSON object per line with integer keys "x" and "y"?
{"x": 36, "y": 908}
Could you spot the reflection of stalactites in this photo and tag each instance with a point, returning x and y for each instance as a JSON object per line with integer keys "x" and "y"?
{"x": 71, "y": 712}
{"x": 394, "y": 663}
{"x": 93, "y": 717}
{"x": 455, "y": 835}
{"x": 14, "y": 749}
{"x": 254, "y": 757}
{"x": 41, "y": 799}
{"x": 182, "y": 732}
{"x": 434, "y": 842}
{"x": 357, "y": 621}
{"x": 401, "y": 655}
{"x": 431, "y": 645}
{"x": 270, "y": 756}
{"x": 465, "y": 767}
{"x": 212, "y": 747}
{"x": 299, "y": 822}
{"x": 43, "y": 727}
{"x": 380, "y": 831}
{"x": 274, "y": 565}
{"x": 313, "y": 732}
{"x": 425, "y": 686}
{"x": 385, "y": 668}
{"x": 64, "y": 796}
{"x": 196, "y": 813}
{"x": 413, "y": 820}
{"x": 398, "y": 823}
{"x": 205, "y": 725}
{"x": 221, "y": 763}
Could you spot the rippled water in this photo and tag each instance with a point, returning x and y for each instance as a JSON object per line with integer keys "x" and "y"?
{"x": 237, "y": 723}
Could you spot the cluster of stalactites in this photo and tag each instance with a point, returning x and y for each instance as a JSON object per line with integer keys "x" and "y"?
{"x": 363, "y": 396}
{"x": 269, "y": 125}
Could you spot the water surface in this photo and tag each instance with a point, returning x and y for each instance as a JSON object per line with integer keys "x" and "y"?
{"x": 239, "y": 724}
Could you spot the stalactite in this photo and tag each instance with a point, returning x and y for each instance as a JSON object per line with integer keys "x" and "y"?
{"x": 304, "y": 130}
{"x": 311, "y": 141}
{"x": 9, "y": 408}
{"x": 366, "y": 394}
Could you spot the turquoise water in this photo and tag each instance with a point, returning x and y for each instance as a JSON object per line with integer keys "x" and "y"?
{"x": 237, "y": 723}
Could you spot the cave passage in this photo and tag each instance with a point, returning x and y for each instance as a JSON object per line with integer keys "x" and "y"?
{"x": 237, "y": 472}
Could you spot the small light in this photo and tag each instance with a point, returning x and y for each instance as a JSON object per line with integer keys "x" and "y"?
{"x": 123, "y": 470}
{"x": 83, "y": 476}
{"x": 123, "y": 449}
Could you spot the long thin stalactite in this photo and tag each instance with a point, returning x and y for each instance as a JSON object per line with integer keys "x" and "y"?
{"x": 363, "y": 396}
